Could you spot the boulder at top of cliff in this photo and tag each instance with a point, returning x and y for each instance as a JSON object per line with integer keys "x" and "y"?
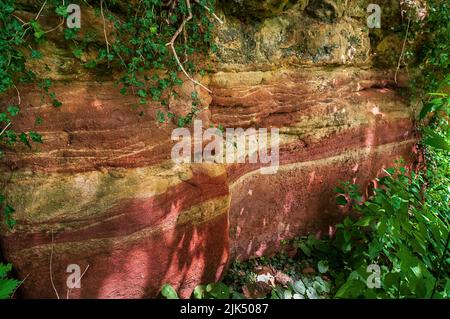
{"x": 259, "y": 9}
{"x": 326, "y": 10}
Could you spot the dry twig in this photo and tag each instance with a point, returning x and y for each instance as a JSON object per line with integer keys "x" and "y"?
{"x": 172, "y": 46}
{"x": 210, "y": 11}
{"x": 5, "y": 128}
{"x": 21, "y": 21}
{"x": 51, "y": 272}
{"x": 60, "y": 24}
{"x": 403, "y": 51}
{"x": 18, "y": 94}
{"x": 12, "y": 295}
{"x": 40, "y": 11}
{"x": 104, "y": 29}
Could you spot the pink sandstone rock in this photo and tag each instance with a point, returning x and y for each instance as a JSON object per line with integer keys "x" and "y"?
{"x": 103, "y": 192}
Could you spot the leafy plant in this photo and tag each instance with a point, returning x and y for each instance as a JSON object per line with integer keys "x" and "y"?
{"x": 210, "y": 291}
{"x": 213, "y": 291}
{"x": 153, "y": 43}
{"x": 169, "y": 292}
{"x": 400, "y": 229}
{"x": 241, "y": 279}
{"x": 404, "y": 228}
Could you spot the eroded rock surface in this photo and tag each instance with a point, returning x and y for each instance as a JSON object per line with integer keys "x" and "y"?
{"x": 103, "y": 192}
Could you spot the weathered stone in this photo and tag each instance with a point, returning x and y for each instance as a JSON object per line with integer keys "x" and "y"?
{"x": 256, "y": 290}
{"x": 339, "y": 125}
{"x": 124, "y": 225}
{"x": 259, "y": 9}
{"x": 104, "y": 184}
{"x": 291, "y": 38}
{"x": 388, "y": 51}
{"x": 326, "y": 10}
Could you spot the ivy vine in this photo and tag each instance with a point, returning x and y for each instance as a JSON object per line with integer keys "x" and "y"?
{"x": 150, "y": 43}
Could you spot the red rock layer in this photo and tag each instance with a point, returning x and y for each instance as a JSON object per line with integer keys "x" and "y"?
{"x": 104, "y": 185}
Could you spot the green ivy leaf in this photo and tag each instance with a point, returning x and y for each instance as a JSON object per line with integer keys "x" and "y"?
{"x": 142, "y": 93}
{"x": 305, "y": 249}
{"x": 351, "y": 289}
{"x": 437, "y": 142}
{"x": 169, "y": 292}
{"x": 13, "y": 110}
{"x": 364, "y": 222}
{"x": 299, "y": 287}
{"x": 9, "y": 220}
{"x": 36, "y": 54}
{"x": 38, "y": 31}
{"x": 7, "y": 287}
{"x": 218, "y": 290}
{"x": 77, "y": 52}
{"x": 322, "y": 266}
{"x": 35, "y": 137}
{"x": 56, "y": 103}
{"x": 160, "y": 116}
{"x": 24, "y": 139}
{"x": 61, "y": 11}
{"x": 341, "y": 200}
{"x": 199, "y": 292}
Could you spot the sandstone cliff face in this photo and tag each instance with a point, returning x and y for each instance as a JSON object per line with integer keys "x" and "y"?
{"x": 103, "y": 191}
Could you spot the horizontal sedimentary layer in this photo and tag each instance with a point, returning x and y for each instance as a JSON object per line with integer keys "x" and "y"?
{"x": 136, "y": 229}
{"x": 300, "y": 198}
{"x": 103, "y": 191}
{"x": 96, "y": 128}
{"x": 114, "y": 203}
{"x": 130, "y": 266}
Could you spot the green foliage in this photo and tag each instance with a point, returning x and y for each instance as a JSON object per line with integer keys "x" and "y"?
{"x": 213, "y": 291}
{"x": 242, "y": 275}
{"x": 210, "y": 291}
{"x": 403, "y": 228}
{"x": 304, "y": 288}
{"x": 14, "y": 44}
{"x": 434, "y": 54}
{"x": 139, "y": 49}
{"x": 8, "y": 212}
{"x": 12, "y": 71}
{"x": 12, "y": 68}
{"x": 7, "y": 286}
